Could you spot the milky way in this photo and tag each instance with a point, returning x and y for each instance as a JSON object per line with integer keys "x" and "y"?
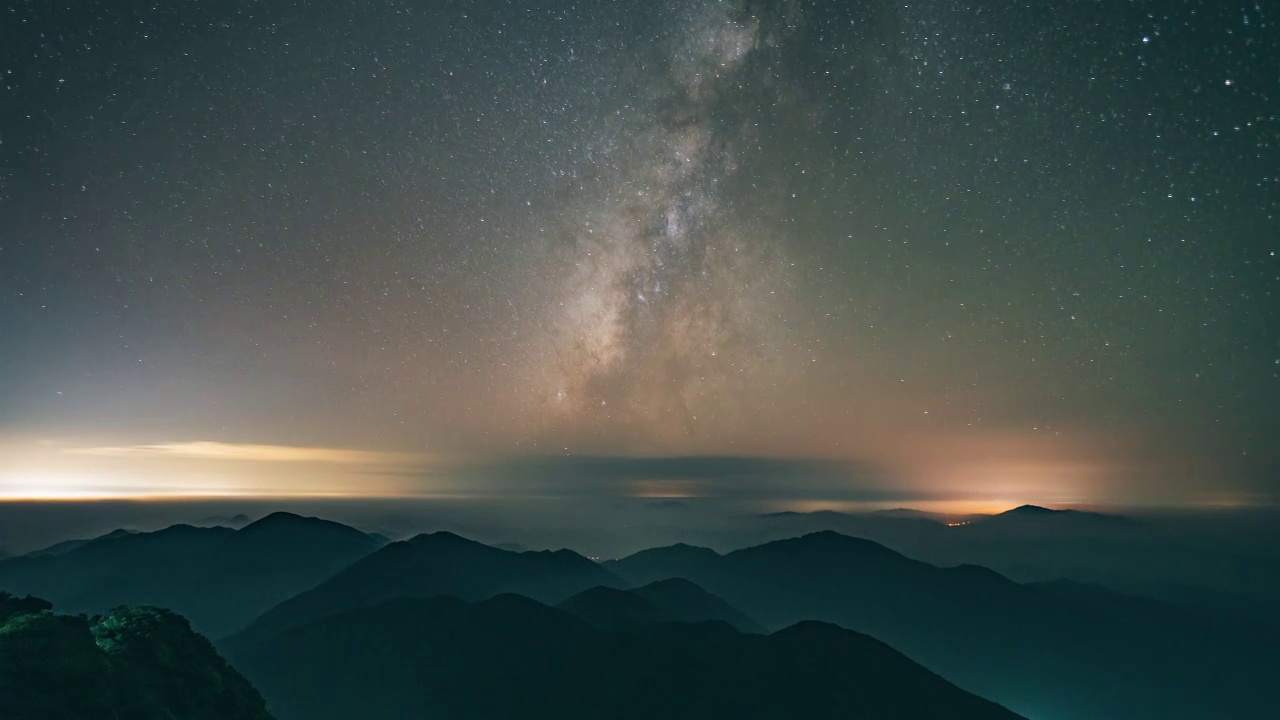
{"x": 670, "y": 302}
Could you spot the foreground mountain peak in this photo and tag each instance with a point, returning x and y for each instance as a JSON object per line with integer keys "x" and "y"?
{"x": 136, "y": 662}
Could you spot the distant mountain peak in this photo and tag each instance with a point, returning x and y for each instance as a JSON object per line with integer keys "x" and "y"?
{"x": 682, "y": 551}
{"x": 286, "y": 521}
{"x": 278, "y": 517}
{"x": 1032, "y": 510}
{"x": 442, "y": 537}
{"x": 1036, "y": 511}
{"x": 833, "y": 538}
{"x": 826, "y": 541}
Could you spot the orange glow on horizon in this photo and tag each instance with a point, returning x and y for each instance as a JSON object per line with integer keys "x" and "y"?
{"x": 958, "y": 506}
{"x": 61, "y": 488}
{"x": 62, "y": 471}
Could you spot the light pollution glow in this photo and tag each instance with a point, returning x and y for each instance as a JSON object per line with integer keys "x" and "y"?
{"x": 45, "y": 470}
{"x": 209, "y": 450}
{"x": 975, "y": 480}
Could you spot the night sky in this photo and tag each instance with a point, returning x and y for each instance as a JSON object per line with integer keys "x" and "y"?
{"x": 1004, "y": 250}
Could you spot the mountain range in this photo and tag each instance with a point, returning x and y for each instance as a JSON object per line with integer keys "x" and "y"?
{"x": 217, "y": 577}
{"x": 320, "y": 615}
{"x": 434, "y": 564}
{"x": 1175, "y": 561}
{"x": 1038, "y": 650}
{"x": 509, "y": 656}
{"x": 671, "y": 600}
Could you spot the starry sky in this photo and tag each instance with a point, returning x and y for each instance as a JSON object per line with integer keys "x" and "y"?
{"x": 946, "y": 249}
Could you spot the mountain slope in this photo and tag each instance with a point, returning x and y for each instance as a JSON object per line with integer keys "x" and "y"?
{"x": 512, "y": 657}
{"x": 613, "y": 609}
{"x": 686, "y": 602}
{"x": 136, "y": 663}
{"x": 436, "y": 564}
{"x": 69, "y": 545}
{"x": 1038, "y": 652}
{"x": 673, "y": 600}
{"x": 217, "y": 577}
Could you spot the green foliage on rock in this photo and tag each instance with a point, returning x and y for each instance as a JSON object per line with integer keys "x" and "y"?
{"x": 129, "y": 664}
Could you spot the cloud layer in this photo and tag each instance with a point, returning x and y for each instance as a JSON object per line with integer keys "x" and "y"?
{"x": 710, "y": 476}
